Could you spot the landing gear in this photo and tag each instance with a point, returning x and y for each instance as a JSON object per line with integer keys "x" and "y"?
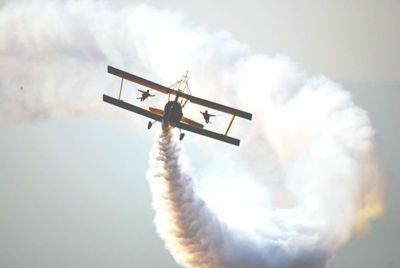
{"x": 181, "y": 135}
{"x": 149, "y": 125}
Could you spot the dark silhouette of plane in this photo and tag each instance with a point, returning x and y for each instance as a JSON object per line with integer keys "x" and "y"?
{"x": 145, "y": 95}
{"x": 172, "y": 114}
{"x": 207, "y": 116}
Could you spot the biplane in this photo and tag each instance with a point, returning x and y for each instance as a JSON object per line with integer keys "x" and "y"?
{"x": 172, "y": 114}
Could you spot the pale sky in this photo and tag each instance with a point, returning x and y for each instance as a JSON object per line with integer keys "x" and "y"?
{"x": 345, "y": 40}
{"x": 73, "y": 191}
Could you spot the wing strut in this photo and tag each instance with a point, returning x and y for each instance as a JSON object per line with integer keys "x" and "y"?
{"x": 120, "y": 88}
{"x": 230, "y": 124}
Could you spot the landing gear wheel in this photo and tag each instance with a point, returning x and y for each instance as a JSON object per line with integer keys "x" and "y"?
{"x": 149, "y": 125}
{"x": 181, "y": 136}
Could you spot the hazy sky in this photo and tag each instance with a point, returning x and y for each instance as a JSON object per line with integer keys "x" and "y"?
{"x": 345, "y": 40}
{"x": 73, "y": 191}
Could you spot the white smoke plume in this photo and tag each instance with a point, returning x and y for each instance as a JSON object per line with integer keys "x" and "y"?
{"x": 197, "y": 238}
{"x": 305, "y": 179}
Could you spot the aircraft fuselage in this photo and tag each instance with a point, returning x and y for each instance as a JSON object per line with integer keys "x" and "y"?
{"x": 172, "y": 113}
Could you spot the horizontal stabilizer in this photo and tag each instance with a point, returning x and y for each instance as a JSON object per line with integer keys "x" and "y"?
{"x": 191, "y": 122}
{"x": 156, "y": 111}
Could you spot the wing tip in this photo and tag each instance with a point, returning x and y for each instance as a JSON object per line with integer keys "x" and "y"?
{"x": 105, "y": 97}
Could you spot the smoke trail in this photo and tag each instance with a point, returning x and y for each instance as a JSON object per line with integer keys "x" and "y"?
{"x": 305, "y": 180}
{"x": 182, "y": 218}
{"x": 197, "y": 238}
{"x": 192, "y": 232}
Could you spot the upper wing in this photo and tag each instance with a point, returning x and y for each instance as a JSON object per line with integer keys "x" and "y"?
{"x": 166, "y": 90}
{"x": 132, "y": 108}
{"x": 209, "y": 134}
{"x": 139, "y": 80}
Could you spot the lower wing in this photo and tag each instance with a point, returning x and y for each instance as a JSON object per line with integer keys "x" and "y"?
{"x": 208, "y": 133}
{"x": 132, "y": 108}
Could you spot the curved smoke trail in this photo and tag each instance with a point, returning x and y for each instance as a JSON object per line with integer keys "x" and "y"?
{"x": 308, "y": 156}
{"x": 197, "y": 238}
